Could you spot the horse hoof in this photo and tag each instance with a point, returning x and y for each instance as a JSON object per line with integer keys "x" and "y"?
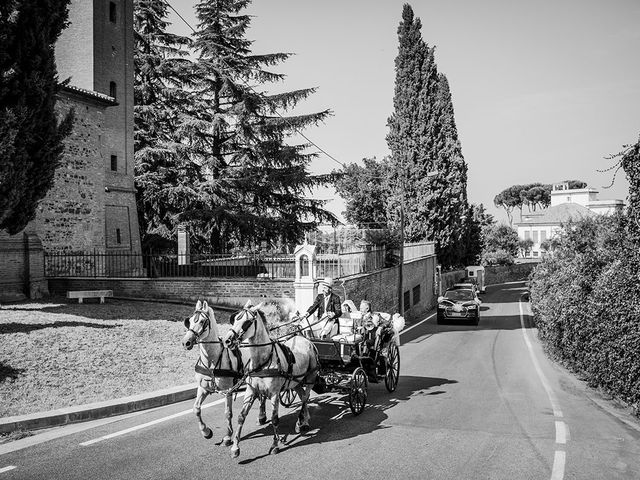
{"x": 226, "y": 441}
{"x": 304, "y": 428}
{"x": 262, "y": 421}
{"x": 235, "y": 453}
{"x": 207, "y": 434}
{"x": 274, "y": 450}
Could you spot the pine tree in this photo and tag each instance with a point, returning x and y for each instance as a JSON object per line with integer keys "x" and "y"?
{"x": 253, "y": 184}
{"x": 31, "y": 135}
{"x": 163, "y": 75}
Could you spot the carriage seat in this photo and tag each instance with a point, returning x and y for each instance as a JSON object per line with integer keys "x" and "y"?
{"x": 347, "y": 338}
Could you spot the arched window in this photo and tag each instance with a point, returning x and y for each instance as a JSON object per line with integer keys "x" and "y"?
{"x": 304, "y": 266}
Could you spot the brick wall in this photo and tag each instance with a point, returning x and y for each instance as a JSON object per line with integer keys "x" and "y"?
{"x": 229, "y": 292}
{"x": 21, "y": 267}
{"x": 380, "y": 287}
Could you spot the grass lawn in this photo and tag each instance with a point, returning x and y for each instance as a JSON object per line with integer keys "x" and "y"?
{"x": 56, "y": 354}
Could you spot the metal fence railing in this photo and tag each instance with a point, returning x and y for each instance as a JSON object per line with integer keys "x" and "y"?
{"x": 271, "y": 265}
{"x": 343, "y": 264}
{"x": 413, "y": 251}
{"x": 138, "y": 265}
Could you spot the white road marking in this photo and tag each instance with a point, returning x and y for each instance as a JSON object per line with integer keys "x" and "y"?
{"x": 561, "y": 432}
{"x": 148, "y": 424}
{"x": 6, "y": 469}
{"x": 560, "y": 457}
{"x": 419, "y": 323}
{"x": 559, "y": 461}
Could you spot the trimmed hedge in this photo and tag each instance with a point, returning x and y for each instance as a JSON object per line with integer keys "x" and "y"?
{"x": 585, "y": 298}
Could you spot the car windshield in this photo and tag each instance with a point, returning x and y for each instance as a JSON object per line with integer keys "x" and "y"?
{"x": 459, "y": 295}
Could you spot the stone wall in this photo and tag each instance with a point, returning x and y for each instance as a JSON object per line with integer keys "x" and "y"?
{"x": 227, "y": 292}
{"x": 71, "y": 216}
{"x": 508, "y": 273}
{"x": 381, "y": 288}
{"x": 449, "y": 278}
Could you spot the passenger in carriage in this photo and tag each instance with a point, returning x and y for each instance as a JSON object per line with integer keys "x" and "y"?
{"x": 327, "y": 303}
{"x": 376, "y": 330}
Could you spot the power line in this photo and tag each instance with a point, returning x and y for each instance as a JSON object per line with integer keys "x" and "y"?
{"x": 254, "y": 91}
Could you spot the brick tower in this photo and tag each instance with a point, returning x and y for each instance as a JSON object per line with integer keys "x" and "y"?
{"x": 92, "y": 205}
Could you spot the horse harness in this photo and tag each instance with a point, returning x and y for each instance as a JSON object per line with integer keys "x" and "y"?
{"x": 216, "y": 371}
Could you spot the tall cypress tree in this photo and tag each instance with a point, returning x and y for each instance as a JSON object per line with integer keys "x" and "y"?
{"x": 448, "y": 190}
{"x": 31, "y": 133}
{"x": 431, "y": 175}
{"x": 163, "y": 75}
{"x": 253, "y": 184}
{"x": 402, "y": 138}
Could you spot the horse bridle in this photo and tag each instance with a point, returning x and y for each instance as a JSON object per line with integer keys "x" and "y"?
{"x": 206, "y": 324}
{"x": 238, "y": 334}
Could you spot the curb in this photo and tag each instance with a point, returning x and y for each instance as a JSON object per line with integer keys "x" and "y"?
{"x": 120, "y": 406}
{"x": 98, "y": 410}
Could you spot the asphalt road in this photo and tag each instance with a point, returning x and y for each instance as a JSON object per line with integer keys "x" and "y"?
{"x": 472, "y": 403}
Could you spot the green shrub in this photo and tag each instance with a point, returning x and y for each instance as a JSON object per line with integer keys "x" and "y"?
{"x": 585, "y": 298}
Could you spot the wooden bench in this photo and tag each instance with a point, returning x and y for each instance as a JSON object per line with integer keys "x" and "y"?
{"x": 80, "y": 294}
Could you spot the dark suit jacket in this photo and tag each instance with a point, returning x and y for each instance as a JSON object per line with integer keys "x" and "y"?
{"x": 335, "y": 306}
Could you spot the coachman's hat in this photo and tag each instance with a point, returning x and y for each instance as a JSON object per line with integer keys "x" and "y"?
{"x": 327, "y": 281}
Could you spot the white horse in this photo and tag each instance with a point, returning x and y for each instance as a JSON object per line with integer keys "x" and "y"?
{"x": 270, "y": 369}
{"x": 219, "y": 369}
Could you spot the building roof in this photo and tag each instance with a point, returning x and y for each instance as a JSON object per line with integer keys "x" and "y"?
{"x": 98, "y": 97}
{"x": 559, "y": 214}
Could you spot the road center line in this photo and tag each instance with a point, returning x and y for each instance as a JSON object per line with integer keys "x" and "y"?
{"x": 560, "y": 457}
{"x": 148, "y": 424}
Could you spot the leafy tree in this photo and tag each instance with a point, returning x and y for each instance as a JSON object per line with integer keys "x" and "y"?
{"x": 525, "y": 246}
{"x": 162, "y": 76}
{"x": 576, "y": 184}
{"x": 509, "y": 199}
{"x": 365, "y": 191}
{"x": 473, "y": 240}
{"x": 536, "y": 195}
{"x": 251, "y": 184}
{"x": 533, "y": 195}
{"x": 31, "y": 135}
{"x": 500, "y": 242}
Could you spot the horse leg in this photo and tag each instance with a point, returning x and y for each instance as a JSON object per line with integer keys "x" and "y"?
{"x": 275, "y": 421}
{"x": 249, "y": 398}
{"x": 262, "y": 414}
{"x": 197, "y": 409}
{"x": 302, "y": 424}
{"x": 228, "y": 414}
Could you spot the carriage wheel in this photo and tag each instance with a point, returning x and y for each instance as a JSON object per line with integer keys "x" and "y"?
{"x": 287, "y": 397}
{"x": 358, "y": 391}
{"x": 392, "y": 361}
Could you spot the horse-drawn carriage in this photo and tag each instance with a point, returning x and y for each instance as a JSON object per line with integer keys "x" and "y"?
{"x": 289, "y": 366}
{"x": 351, "y": 359}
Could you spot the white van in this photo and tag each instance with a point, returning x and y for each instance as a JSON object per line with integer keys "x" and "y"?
{"x": 477, "y": 272}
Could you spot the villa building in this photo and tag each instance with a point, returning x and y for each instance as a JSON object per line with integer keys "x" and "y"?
{"x": 566, "y": 204}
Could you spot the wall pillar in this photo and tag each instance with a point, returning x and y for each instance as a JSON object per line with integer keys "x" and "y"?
{"x": 305, "y": 265}
{"x": 35, "y": 282}
{"x": 184, "y": 251}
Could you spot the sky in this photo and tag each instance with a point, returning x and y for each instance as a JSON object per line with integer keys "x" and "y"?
{"x": 543, "y": 91}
